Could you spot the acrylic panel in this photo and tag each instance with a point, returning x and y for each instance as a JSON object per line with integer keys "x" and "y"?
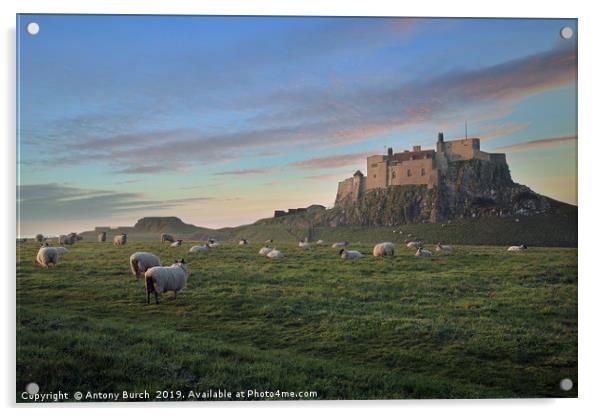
{"x": 295, "y": 208}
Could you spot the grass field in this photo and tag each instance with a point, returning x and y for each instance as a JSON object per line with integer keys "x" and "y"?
{"x": 478, "y": 323}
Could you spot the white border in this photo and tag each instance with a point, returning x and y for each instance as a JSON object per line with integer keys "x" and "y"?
{"x": 589, "y": 120}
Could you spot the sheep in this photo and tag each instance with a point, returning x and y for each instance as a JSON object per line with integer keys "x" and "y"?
{"x": 243, "y": 241}
{"x": 198, "y": 249}
{"x": 167, "y": 238}
{"x": 304, "y": 245}
{"x": 413, "y": 244}
{"x": 444, "y": 248}
{"x": 160, "y": 279}
{"x": 121, "y": 239}
{"x": 423, "y": 253}
{"x": 384, "y": 250}
{"x": 270, "y": 241}
{"x": 350, "y": 254}
{"x": 68, "y": 239}
{"x": 265, "y": 250}
{"x": 47, "y": 256}
{"x": 275, "y": 254}
{"x": 102, "y": 237}
{"x": 177, "y": 243}
{"x": 320, "y": 242}
{"x": 141, "y": 261}
{"x": 340, "y": 244}
{"x": 213, "y": 243}
{"x": 40, "y": 238}
{"x": 522, "y": 247}
{"x": 62, "y": 250}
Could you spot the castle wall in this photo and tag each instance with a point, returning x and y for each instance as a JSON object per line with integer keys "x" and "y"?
{"x": 462, "y": 149}
{"x": 377, "y": 172}
{"x": 413, "y": 172}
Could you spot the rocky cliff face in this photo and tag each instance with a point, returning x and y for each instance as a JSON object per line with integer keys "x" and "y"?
{"x": 468, "y": 189}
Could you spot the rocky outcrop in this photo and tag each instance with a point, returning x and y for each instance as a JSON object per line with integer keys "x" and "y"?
{"x": 471, "y": 188}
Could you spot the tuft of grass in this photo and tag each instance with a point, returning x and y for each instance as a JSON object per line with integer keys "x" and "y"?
{"x": 478, "y": 323}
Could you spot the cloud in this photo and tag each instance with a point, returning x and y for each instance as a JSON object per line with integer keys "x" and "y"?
{"x": 336, "y": 161}
{"x": 54, "y": 201}
{"x": 535, "y": 144}
{"x": 254, "y": 171}
{"x": 501, "y": 130}
{"x": 314, "y": 116}
{"x": 325, "y": 177}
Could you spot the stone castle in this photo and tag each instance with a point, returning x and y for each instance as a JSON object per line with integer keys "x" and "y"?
{"x": 416, "y": 167}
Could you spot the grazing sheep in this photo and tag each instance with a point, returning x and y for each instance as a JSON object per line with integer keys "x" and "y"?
{"x": 384, "y": 250}
{"x": 177, "y": 243}
{"x": 141, "y": 261}
{"x": 423, "y": 252}
{"x": 413, "y": 244}
{"x": 47, "y": 256}
{"x": 265, "y": 250}
{"x": 213, "y": 243}
{"x": 340, "y": 244}
{"x": 121, "y": 239}
{"x": 167, "y": 238}
{"x": 270, "y": 241}
{"x": 275, "y": 254}
{"x": 243, "y": 241}
{"x": 40, "y": 238}
{"x": 522, "y": 247}
{"x": 102, "y": 237}
{"x": 444, "y": 248}
{"x": 68, "y": 239}
{"x": 350, "y": 254}
{"x": 160, "y": 279}
{"x": 320, "y": 242}
{"x": 198, "y": 249}
{"x": 61, "y": 250}
{"x": 304, "y": 245}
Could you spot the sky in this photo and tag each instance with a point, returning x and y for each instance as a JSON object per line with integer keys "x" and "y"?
{"x": 222, "y": 120}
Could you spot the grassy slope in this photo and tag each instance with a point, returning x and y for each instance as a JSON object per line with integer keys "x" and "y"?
{"x": 479, "y": 323}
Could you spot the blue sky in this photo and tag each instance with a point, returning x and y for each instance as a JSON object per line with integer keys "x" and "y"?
{"x": 221, "y": 120}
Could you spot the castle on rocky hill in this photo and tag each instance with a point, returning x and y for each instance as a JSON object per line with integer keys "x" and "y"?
{"x": 416, "y": 167}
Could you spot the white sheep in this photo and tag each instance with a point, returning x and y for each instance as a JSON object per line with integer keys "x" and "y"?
{"x": 198, "y": 249}
{"x": 275, "y": 254}
{"x": 120, "y": 239}
{"x": 384, "y": 250}
{"x": 160, "y": 279}
{"x": 68, "y": 239}
{"x": 320, "y": 242}
{"x": 47, "y": 256}
{"x": 423, "y": 253}
{"x": 444, "y": 248}
{"x": 522, "y": 247}
{"x": 141, "y": 261}
{"x": 243, "y": 241}
{"x": 413, "y": 244}
{"x": 270, "y": 241}
{"x": 350, "y": 254}
{"x": 265, "y": 250}
{"x": 340, "y": 244}
{"x": 167, "y": 238}
{"x": 102, "y": 237}
{"x": 304, "y": 245}
{"x": 176, "y": 243}
{"x": 214, "y": 244}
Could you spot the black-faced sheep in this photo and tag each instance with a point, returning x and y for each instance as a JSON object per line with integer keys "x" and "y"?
{"x": 522, "y": 247}
{"x": 102, "y": 237}
{"x": 197, "y": 249}
{"x": 47, "y": 256}
{"x": 121, "y": 239}
{"x": 275, "y": 254}
{"x": 163, "y": 279}
{"x": 421, "y": 252}
{"x": 444, "y": 248}
{"x": 350, "y": 254}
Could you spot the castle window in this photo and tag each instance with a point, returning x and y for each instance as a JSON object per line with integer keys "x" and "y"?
{"x": 374, "y": 176}
{"x": 393, "y": 174}
{"x": 409, "y": 172}
{"x": 422, "y": 172}
{"x": 374, "y": 165}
